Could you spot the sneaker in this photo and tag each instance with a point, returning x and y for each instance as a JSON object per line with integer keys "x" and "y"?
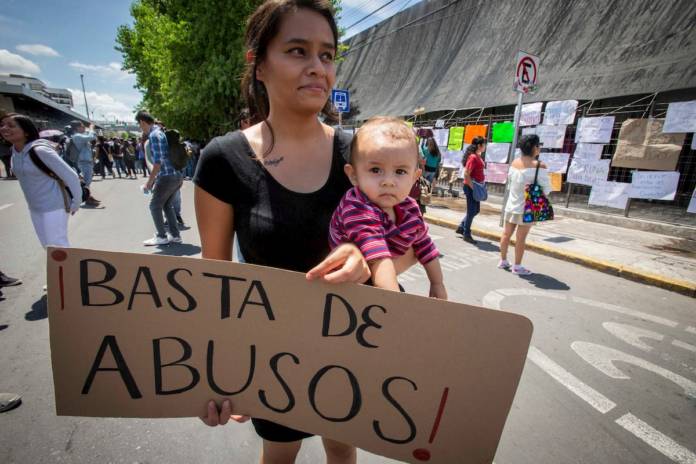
{"x": 9, "y": 401}
{"x": 520, "y": 270}
{"x": 470, "y": 239}
{"x": 504, "y": 264}
{"x": 6, "y": 281}
{"x": 156, "y": 241}
{"x": 459, "y": 231}
{"x": 173, "y": 239}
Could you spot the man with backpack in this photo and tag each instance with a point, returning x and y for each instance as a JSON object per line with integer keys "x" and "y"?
{"x": 79, "y": 147}
{"x": 164, "y": 182}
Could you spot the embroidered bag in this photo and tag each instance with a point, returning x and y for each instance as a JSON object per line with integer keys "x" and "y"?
{"x": 537, "y": 207}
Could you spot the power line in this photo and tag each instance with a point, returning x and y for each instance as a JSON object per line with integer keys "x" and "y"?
{"x": 370, "y": 14}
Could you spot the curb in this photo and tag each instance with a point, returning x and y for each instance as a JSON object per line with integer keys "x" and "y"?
{"x": 676, "y": 285}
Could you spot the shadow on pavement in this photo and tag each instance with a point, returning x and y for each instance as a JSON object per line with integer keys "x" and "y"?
{"x": 3, "y": 326}
{"x": 174, "y": 249}
{"x": 545, "y": 282}
{"x": 39, "y": 310}
{"x": 487, "y": 246}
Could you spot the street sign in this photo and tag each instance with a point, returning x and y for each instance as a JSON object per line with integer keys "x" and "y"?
{"x": 526, "y": 72}
{"x": 341, "y": 100}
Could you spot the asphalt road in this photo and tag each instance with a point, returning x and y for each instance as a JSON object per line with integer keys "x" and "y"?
{"x": 573, "y": 404}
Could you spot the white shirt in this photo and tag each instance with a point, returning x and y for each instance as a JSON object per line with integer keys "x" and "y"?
{"x": 518, "y": 179}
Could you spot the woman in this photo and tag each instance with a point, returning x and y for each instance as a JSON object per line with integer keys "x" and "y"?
{"x": 45, "y": 197}
{"x": 473, "y": 171}
{"x": 129, "y": 158}
{"x": 103, "y": 157}
{"x": 291, "y": 47}
{"x": 432, "y": 156}
{"x": 521, "y": 174}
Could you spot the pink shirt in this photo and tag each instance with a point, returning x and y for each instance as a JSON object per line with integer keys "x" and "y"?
{"x": 357, "y": 220}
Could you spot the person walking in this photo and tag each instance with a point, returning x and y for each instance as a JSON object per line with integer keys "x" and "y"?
{"x": 129, "y": 158}
{"x": 473, "y": 171}
{"x": 82, "y": 140}
{"x": 433, "y": 158}
{"x": 5, "y": 156}
{"x": 523, "y": 171}
{"x": 50, "y": 205}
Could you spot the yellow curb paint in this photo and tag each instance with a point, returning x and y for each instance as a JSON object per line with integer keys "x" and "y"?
{"x": 680, "y": 286}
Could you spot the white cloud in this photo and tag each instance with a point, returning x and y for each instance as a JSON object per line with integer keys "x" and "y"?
{"x": 106, "y": 106}
{"x": 110, "y": 70}
{"x": 15, "y": 64}
{"x": 37, "y": 49}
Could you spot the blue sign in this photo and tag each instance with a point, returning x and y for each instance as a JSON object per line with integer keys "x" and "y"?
{"x": 341, "y": 100}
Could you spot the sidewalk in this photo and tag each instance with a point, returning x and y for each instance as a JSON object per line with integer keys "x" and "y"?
{"x": 660, "y": 260}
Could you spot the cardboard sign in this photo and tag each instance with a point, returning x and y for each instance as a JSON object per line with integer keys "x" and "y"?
{"x": 503, "y": 132}
{"x": 531, "y": 114}
{"x": 549, "y": 136}
{"x": 441, "y": 136}
{"x": 610, "y": 194}
{"x": 594, "y": 130}
{"x": 654, "y": 185}
{"x": 497, "y": 152}
{"x": 681, "y": 117}
{"x": 413, "y": 378}
{"x": 643, "y": 145}
{"x": 560, "y": 113}
{"x": 455, "y": 138}
{"x": 588, "y": 172}
{"x": 452, "y": 159}
{"x": 556, "y": 179}
{"x": 692, "y": 203}
{"x": 496, "y": 173}
{"x": 474, "y": 130}
{"x": 588, "y": 151}
{"x": 555, "y": 162}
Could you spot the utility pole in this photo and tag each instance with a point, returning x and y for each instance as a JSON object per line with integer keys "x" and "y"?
{"x": 82, "y": 78}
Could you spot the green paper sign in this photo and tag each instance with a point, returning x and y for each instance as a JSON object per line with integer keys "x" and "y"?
{"x": 456, "y": 138}
{"x": 503, "y": 132}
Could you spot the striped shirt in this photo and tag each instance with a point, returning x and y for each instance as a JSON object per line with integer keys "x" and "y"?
{"x": 357, "y": 220}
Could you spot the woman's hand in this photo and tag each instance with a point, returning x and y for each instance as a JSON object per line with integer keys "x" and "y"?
{"x": 344, "y": 264}
{"x": 221, "y": 417}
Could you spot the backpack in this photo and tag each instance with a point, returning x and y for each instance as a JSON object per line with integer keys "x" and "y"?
{"x": 178, "y": 154}
{"x": 71, "y": 151}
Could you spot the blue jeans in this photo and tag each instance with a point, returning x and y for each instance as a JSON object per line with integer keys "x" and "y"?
{"x": 87, "y": 169}
{"x": 472, "y": 209}
{"x": 120, "y": 166}
{"x": 163, "y": 196}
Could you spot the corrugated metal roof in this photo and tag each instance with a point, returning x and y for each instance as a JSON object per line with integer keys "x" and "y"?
{"x": 10, "y": 89}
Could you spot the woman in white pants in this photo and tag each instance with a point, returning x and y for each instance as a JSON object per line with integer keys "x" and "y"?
{"x": 49, "y": 204}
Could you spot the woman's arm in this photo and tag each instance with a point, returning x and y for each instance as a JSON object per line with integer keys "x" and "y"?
{"x": 215, "y": 220}
{"x": 384, "y": 274}
{"x": 69, "y": 177}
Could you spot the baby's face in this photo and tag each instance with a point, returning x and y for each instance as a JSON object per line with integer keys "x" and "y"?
{"x": 385, "y": 169}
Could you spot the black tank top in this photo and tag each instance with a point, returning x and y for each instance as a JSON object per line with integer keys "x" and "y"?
{"x": 275, "y": 226}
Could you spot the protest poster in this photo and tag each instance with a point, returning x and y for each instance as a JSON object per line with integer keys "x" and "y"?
{"x": 594, "y": 130}
{"x": 555, "y": 162}
{"x": 654, "y": 185}
{"x": 528, "y": 130}
{"x": 455, "y": 138}
{"x": 475, "y": 130}
{"x": 441, "y": 136}
{"x": 560, "y": 113}
{"x": 556, "y": 179}
{"x": 610, "y": 194}
{"x": 408, "y": 377}
{"x": 692, "y": 203}
{"x": 588, "y": 151}
{"x": 643, "y": 145}
{"x": 452, "y": 159}
{"x": 681, "y": 117}
{"x": 551, "y": 136}
{"x": 497, "y": 152}
{"x": 531, "y": 114}
{"x": 503, "y": 132}
{"x": 440, "y": 123}
{"x": 588, "y": 172}
{"x": 496, "y": 173}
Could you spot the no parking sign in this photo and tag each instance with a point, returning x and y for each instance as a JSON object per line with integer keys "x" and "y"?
{"x": 526, "y": 72}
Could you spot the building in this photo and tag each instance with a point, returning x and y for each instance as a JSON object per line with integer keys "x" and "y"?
{"x": 60, "y": 96}
{"x": 46, "y": 113}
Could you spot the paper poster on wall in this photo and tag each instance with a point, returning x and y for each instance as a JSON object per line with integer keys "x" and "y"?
{"x": 531, "y": 114}
{"x": 610, "y": 194}
{"x": 588, "y": 172}
{"x": 496, "y": 173}
{"x": 643, "y": 145}
{"x": 460, "y": 172}
{"x": 503, "y": 131}
{"x": 588, "y": 151}
{"x": 497, "y": 152}
{"x": 528, "y": 130}
{"x": 692, "y": 203}
{"x": 551, "y": 136}
{"x": 681, "y": 117}
{"x": 594, "y": 130}
{"x": 440, "y": 123}
{"x": 556, "y": 179}
{"x": 475, "y": 130}
{"x": 455, "y": 138}
{"x": 452, "y": 159}
{"x": 441, "y": 136}
{"x": 654, "y": 185}
{"x": 555, "y": 162}
{"x": 560, "y": 112}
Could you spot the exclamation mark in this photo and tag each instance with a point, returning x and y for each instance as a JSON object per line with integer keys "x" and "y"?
{"x": 423, "y": 454}
{"x": 60, "y": 256}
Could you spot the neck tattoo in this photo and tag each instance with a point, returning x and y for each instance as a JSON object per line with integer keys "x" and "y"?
{"x": 273, "y": 162}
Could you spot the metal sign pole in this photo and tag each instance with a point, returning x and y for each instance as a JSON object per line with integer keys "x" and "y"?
{"x": 511, "y": 153}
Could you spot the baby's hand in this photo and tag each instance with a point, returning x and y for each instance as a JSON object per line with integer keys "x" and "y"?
{"x": 438, "y": 291}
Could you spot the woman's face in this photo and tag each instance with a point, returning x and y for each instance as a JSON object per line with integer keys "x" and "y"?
{"x": 481, "y": 148}
{"x": 11, "y": 131}
{"x": 298, "y": 69}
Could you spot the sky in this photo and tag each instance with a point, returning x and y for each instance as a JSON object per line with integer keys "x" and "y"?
{"x": 56, "y": 41}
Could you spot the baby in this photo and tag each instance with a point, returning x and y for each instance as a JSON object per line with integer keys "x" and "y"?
{"x": 377, "y": 214}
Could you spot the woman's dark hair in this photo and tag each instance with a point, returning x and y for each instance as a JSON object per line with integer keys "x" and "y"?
{"x": 527, "y": 143}
{"x": 432, "y": 147}
{"x": 476, "y": 142}
{"x": 262, "y": 27}
{"x": 27, "y": 125}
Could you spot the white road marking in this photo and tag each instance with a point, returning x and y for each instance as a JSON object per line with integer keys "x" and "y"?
{"x": 450, "y": 266}
{"x": 595, "y": 399}
{"x": 691, "y": 330}
{"x": 435, "y": 237}
{"x": 629, "y": 312}
{"x": 602, "y": 358}
{"x": 656, "y": 439}
{"x": 686, "y": 346}
{"x": 6, "y": 206}
{"x": 632, "y": 335}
